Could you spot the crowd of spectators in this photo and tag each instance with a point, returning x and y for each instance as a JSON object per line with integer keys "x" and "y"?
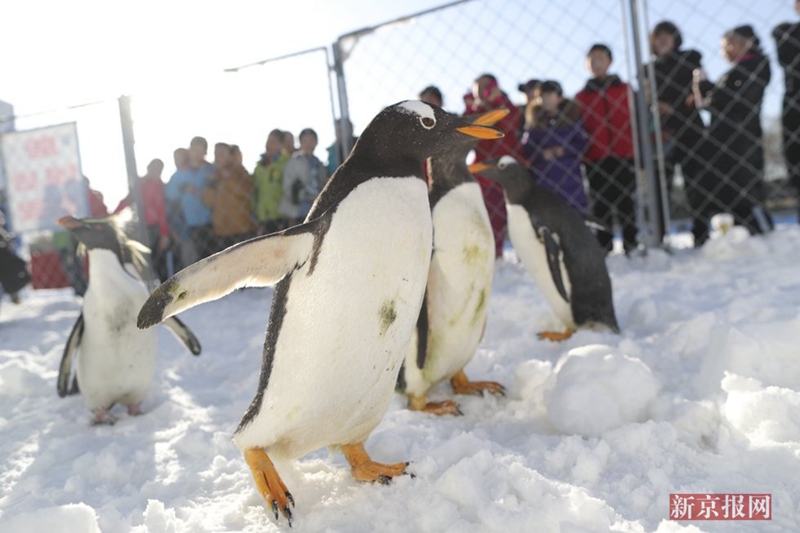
{"x": 582, "y": 148}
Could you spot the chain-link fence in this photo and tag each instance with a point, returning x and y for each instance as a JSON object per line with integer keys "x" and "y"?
{"x": 651, "y": 132}
{"x": 721, "y": 134}
{"x": 195, "y": 198}
{"x": 616, "y": 129}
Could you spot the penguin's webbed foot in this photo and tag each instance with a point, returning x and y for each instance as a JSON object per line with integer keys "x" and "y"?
{"x": 556, "y": 336}
{"x": 269, "y": 483}
{"x": 365, "y": 469}
{"x": 447, "y": 407}
{"x": 135, "y": 409}
{"x": 103, "y": 417}
{"x": 462, "y": 385}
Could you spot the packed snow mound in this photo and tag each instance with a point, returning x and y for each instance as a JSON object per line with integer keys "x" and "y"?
{"x": 765, "y": 415}
{"x": 596, "y": 390}
{"x": 70, "y": 517}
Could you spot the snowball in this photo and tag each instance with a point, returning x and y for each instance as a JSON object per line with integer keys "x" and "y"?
{"x": 597, "y": 390}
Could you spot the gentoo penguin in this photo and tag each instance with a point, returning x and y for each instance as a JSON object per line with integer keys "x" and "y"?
{"x": 350, "y": 283}
{"x": 114, "y": 361}
{"x": 453, "y": 315}
{"x": 556, "y": 247}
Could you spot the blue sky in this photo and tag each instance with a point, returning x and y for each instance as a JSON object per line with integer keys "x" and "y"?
{"x": 170, "y": 56}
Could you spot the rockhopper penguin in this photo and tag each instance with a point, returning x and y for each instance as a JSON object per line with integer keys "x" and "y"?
{"x": 107, "y": 358}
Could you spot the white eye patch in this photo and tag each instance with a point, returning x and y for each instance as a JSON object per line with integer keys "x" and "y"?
{"x": 418, "y": 108}
{"x": 505, "y": 161}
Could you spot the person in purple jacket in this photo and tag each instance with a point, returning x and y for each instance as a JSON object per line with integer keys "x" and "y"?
{"x": 554, "y": 142}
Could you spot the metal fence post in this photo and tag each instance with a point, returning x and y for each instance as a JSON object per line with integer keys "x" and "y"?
{"x": 345, "y": 141}
{"x": 134, "y": 187}
{"x": 652, "y": 222}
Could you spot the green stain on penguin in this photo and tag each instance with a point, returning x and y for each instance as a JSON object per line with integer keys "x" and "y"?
{"x": 387, "y": 314}
{"x": 474, "y": 255}
{"x": 176, "y": 292}
{"x": 480, "y": 306}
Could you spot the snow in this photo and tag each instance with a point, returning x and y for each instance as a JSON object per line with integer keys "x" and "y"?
{"x": 700, "y": 393}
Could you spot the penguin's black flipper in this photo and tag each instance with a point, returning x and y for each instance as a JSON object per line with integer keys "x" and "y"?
{"x": 65, "y": 368}
{"x": 553, "y": 251}
{"x": 422, "y": 333}
{"x": 256, "y": 262}
{"x": 184, "y": 335}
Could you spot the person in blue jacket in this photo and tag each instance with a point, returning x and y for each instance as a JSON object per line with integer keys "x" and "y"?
{"x": 185, "y": 188}
{"x": 553, "y": 143}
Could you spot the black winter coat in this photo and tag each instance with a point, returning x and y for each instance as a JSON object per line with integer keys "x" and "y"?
{"x": 787, "y": 39}
{"x": 735, "y": 139}
{"x": 674, "y": 74}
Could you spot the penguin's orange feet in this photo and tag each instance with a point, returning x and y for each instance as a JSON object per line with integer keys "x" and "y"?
{"x": 269, "y": 483}
{"x": 103, "y": 417}
{"x": 462, "y": 385}
{"x": 556, "y": 336}
{"x": 447, "y": 407}
{"x": 365, "y": 469}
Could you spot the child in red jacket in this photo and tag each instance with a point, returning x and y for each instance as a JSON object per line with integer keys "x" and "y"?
{"x": 609, "y": 158}
{"x": 485, "y": 96}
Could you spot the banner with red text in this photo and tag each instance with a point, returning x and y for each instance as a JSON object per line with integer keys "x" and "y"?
{"x": 43, "y": 176}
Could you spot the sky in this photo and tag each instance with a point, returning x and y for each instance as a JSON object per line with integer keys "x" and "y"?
{"x": 170, "y": 57}
{"x": 699, "y": 393}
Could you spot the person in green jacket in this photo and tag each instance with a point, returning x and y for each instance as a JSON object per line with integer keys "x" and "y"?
{"x": 268, "y": 178}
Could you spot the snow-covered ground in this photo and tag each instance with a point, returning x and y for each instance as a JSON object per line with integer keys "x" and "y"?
{"x": 699, "y": 394}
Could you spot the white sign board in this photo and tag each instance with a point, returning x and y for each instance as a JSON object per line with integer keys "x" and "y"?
{"x": 43, "y": 176}
{"x": 6, "y": 125}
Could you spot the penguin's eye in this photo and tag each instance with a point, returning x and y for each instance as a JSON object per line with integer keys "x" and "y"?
{"x": 501, "y": 166}
{"x": 427, "y": 122}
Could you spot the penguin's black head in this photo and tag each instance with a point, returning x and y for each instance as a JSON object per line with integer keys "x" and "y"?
{"x": 508, "y": 172}
{"x": 450, "y": 165}
{"x": 416, "y": 130}
{"x": 94, "y": 233}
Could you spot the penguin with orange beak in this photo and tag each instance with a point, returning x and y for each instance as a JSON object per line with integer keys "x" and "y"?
{"x": 554, "y": 243}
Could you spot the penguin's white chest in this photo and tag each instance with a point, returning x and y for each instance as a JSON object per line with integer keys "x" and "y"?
{"x": 532, "y": 252}
{"x": 347, "y": 323}
{"x": 459, "y": 285}
{"x": 116, "y": 360}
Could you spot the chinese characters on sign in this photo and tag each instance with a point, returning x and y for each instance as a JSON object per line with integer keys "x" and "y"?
{"x": 720, "y": 507}
{"x": 44, "y": 180}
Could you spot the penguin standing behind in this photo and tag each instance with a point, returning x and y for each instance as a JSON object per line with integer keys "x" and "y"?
{"x": 350, "y": 285}
{"x": 557, "y": 248}
{"x": 453, "y": 315}
{"x": 113, "y": 360}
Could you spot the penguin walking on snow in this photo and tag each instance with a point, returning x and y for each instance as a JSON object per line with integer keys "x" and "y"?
{"x": 557, "y": 248}
{"x": 350, "y": 283}
{"x": 453, "y": 315}
{"x": 113, "y": 360}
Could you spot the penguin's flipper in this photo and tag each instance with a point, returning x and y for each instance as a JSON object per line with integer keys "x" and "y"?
{"x": 65, "y": 368}
{"x": 422, "y": 333}
{"x": 253, "y": 263}
{"x": 553, "y": 251}
{"x": 184, "y": 335}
